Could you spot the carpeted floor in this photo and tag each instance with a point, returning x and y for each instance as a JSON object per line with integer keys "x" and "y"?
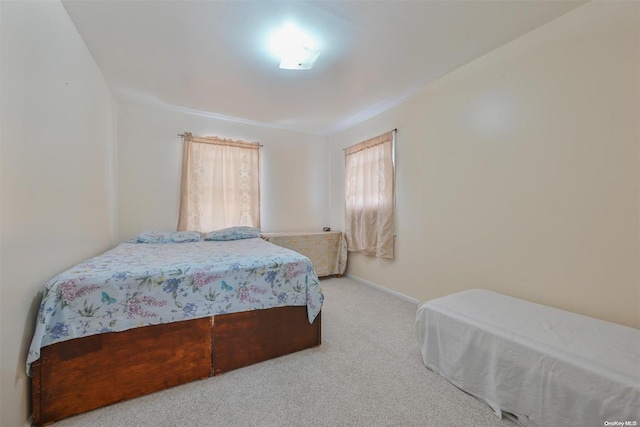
{"x": 367, "y": 372}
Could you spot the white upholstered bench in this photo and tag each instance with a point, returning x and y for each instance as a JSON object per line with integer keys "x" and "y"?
{"x": 548, "y": 367}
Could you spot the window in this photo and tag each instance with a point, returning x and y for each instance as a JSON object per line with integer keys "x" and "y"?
{"x": 220, "y": 184}
{"x": 370, "y": 196}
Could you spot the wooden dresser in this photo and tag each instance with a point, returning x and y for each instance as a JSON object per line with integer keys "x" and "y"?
{"x": 326, "y": 250}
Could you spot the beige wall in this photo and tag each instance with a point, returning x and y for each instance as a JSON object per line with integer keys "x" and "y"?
{"x": 294, "y": 187}
{"x": 519, "y": 172}
{"x": 57, "y": 159}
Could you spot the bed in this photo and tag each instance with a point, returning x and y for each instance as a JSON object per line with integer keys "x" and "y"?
{"x": 544, "y": 366}
{"x": 143, "y": 317}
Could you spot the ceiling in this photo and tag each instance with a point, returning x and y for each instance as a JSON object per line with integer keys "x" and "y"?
{"x": 213, "y": 57}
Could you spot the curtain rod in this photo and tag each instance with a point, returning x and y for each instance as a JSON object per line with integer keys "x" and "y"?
{"x": 181, "y": 135}
{"x": 392, "y": 130}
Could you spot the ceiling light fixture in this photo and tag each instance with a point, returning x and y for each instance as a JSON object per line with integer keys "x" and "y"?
{"x": 295, "y": 49}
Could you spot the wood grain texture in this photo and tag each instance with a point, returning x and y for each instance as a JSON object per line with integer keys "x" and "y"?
{"x": 242, "y": 339}
{"x": 83, "y": 374}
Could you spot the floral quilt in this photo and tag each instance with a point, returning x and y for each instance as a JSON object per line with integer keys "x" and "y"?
{"x": 140, "y": 284}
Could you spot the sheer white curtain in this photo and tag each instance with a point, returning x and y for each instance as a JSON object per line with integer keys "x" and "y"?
{"x": 220, "y": 184}
{"x": 370, "y": 196}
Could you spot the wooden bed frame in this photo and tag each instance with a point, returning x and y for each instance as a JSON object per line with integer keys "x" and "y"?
{"x": 82, "y": 374}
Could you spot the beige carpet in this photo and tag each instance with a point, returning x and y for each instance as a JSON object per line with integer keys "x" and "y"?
{"x": 368, "y": 372}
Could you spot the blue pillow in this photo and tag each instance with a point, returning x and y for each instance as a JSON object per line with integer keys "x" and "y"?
{"x": 233, "y": 233}
{"x": 186, "y": 236}
{"x": 155, "y": 236}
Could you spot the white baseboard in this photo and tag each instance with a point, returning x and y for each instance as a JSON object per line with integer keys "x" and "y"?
{"x": 29, "y": 422}
{"x": 383, "y": 289}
